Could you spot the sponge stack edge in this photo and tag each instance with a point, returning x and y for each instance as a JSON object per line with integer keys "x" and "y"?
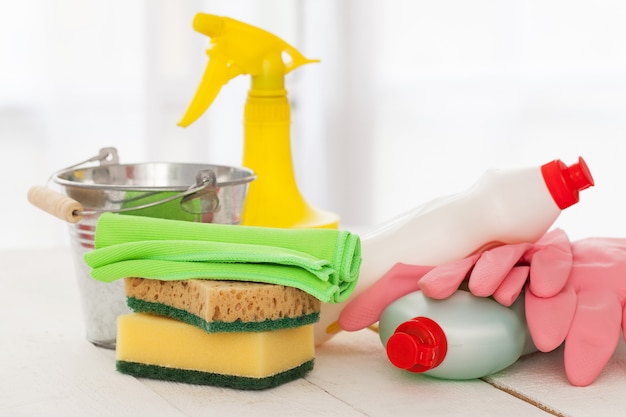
{"x": 232, "y": 334}
{"x": 163, "y": 348}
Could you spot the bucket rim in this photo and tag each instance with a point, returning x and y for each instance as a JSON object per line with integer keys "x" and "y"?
{"x": 247, "y": 178}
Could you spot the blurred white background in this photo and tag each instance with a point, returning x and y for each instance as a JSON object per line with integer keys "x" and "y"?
{"x": 413, "y": 99}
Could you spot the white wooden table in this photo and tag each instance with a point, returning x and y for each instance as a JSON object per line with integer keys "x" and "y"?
{"x": 47, "y": 368}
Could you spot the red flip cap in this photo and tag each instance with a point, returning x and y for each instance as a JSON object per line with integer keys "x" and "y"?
{"x": 565, "y": 182}
{"x": 417, "y": 345}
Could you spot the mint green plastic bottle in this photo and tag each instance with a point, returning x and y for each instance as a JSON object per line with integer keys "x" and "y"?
{"x": 461, "y": 337}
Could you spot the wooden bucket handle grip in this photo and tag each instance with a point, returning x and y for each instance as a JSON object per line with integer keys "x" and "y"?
{"x": 55, "y": 203}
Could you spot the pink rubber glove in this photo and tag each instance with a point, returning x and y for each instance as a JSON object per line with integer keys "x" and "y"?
{"x": 496, "y": 272}
{"x": 588, "y": 314}
{"x": 576, "y": 294}
{"x": 502, "y": 272}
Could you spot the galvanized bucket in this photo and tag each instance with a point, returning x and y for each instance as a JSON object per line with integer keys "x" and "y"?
{"x": 190, "y": 192}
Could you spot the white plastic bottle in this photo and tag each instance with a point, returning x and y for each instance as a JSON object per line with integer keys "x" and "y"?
{"x": 504, "y": 206}
{"x": 461, "y": 337}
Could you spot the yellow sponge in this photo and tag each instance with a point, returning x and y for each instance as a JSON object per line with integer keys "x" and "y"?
{"x": 163, "y": 348}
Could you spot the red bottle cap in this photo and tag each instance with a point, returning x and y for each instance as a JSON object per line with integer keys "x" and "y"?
{"x": 417, "y": 345}
{"x": 565, "y": 182}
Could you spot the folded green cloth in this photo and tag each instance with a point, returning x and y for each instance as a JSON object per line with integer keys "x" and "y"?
{"x": 322, "y": 262}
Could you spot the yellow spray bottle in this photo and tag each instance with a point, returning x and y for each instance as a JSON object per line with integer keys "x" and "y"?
{"x": 237, "y": 48}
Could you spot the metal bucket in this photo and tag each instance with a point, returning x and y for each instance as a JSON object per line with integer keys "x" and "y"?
{"x": 190, "y": 192}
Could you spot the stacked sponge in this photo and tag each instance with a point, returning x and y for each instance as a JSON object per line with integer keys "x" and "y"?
{"x": 247, "y": 324}
{"x": 235, "y": 334}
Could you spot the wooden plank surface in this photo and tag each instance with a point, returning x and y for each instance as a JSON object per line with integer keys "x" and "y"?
{"x": 540, "y": 378}
{"x": 48, "y": 368}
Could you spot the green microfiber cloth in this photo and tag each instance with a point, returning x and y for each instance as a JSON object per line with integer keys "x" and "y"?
{"x": 323, "y": 262}
{"x": 206, "y": 378}
{"x": 160, "y": 309}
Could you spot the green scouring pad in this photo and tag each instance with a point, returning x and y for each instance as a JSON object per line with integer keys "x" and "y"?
{"x": 207, "y": 378}
{"x": 142, "y": 306}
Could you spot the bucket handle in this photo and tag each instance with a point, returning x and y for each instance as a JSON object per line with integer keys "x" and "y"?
{"x": 71, "y": 211}
{"x": 106, "y": 156}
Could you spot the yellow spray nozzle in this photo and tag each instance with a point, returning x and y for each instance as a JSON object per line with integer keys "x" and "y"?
{"x": 208, "y": 24}
{"x": 247, "y": 45}
{"x": 237, "y": 48}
